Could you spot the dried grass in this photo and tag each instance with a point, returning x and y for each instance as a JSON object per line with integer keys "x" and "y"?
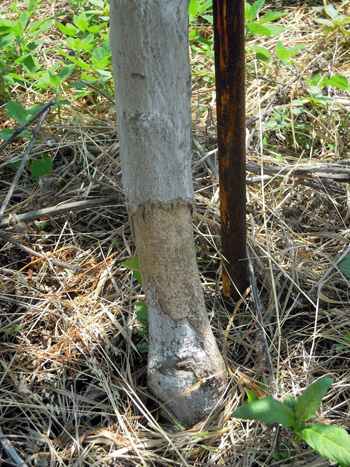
{"x": 72, "y": 381}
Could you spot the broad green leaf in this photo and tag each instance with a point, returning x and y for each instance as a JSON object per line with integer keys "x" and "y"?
{"x": 310, "y": 400}
{"x": 6, "y": 39}
{"x": 252, "y": 397}
{"x": 85, "y": 66}
{"x": 67, "y": 29}
{"x": 285, "y": 54}
{"x": 331, "y": 11}
{"x": 142, "y": 313}
{"x": 30, "y": 63}
{"x": 81, "y": 23}
{"x": 133, "y": 264}
{"x": 260, "y": 50}
{"x": 98, "y": 3}
{"x": 344, "y": 266}
{"x": 266, "y": 410}
{"x": 95, "y": 28}
{"x": 330, "y": 441}
{"x": 271, "y": 16}
{"x": 40, "y": 26}
{"x": 290, "y": 402}
{"x": 143, "y": 347}
{"x": 19, "y": 30}
{"x": 55, "y": 81}
{"x": 252, "y": 12}
{"x": 66, "y": 72}
{"x": 6, "y": 133}
{"x": 23, "y": 18}
{"x": 255, "y": 28}
{"x": 274, "y": 29}
{"x": 6, "y": 26}
{"x": 324, "y": 21}
{"x": 338, "y": 81}
{"x": 16, "y": 111}
{"x": 41, "y": 167}
{"x": 33, "y": 110}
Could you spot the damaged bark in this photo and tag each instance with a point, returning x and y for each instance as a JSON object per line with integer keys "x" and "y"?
{"x": 183, "y": 354}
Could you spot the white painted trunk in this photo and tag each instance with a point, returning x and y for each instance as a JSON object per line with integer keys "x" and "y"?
{"x": 149, "y": 41}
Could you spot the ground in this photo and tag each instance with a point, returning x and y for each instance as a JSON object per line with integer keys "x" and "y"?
{"x": 73, "y": 348}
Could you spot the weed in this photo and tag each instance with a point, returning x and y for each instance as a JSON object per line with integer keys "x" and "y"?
{"x": 329, "y": 441}
{"x": 335, "y": 21}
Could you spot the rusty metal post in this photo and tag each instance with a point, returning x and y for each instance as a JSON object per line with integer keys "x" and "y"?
{"x": 230, "y": 103}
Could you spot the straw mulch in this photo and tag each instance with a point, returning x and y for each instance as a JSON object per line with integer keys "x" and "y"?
{"x": 73, "y": 387}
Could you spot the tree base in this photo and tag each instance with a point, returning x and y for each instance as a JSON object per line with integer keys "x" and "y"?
{"x": 185, "y": 368}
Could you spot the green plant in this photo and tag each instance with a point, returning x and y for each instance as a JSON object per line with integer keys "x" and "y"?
{"x": 41, "y": 167}
{"x": 344, "y": 265}
{"x": 335, "y": 21}
{"x": 329, "y": 441}
{"x": 345, "y": 343}
{"x": 19, "y": 60}
{"x": 262, "y": 26}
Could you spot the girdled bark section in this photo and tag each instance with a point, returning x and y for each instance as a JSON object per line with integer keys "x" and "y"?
{"x": 183, "y": 354}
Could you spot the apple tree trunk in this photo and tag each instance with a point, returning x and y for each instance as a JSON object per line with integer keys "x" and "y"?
{"x": 152, "y": 75}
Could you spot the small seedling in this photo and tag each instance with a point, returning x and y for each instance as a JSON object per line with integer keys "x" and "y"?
{"x": 335, "y": 21}
{"x": 329, "y": 441}
{"x": 345, "y": 343}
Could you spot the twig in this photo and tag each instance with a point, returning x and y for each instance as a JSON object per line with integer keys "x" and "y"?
{"x": 25, "y": 157}
{"x": 61, "y": 209}
{"x": 259, "y": 313}
{"x": 337, "y": 173}
{"x": 98, "y": 90}
{"x": 28, "y": 250}
{"x": 32, "y": 119}
{"x": 11, "y": 451}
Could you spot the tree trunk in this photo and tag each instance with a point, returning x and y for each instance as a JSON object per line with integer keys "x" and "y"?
{"x": 149, "y": 42}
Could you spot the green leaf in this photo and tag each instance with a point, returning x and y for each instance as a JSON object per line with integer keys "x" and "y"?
{"x": 6, "y": 26}
{"x": 41, "y": 167}
{"x": 55, "y": 81}
{"x": 143, "y": 347}
{"x": 255, "y": 28}
{"x": 85, "y": 66}
{"x": 23, "y": 18}
{"x": 344, "y": 266}
{"x": 324, "y": 21}
{"x": 6, "y": 39}
{"x": 337, "y": 81}
{"x": 251, "y": 11}
{"x": 67, "y": 29}
{"x": 274, "y": 29}
{"x": 66, "y": 72}
{"x": 290, "y": 402}
{"x": 6, "y": 133}
{"x": 252, "y": 397}
{"x": 133, "y": 264}
{"x": 329, "y": 441}
{"x": 310, "y": 400}
{"x": 285, "y": 54}
{"x": 80, "y": 22}
{"x": 331, "y": 11}
{"x": 142, "y": 313}
{"x": 266, "y": 410}
{"x": 16, "y": 111}
{"x": 272, "y": 16}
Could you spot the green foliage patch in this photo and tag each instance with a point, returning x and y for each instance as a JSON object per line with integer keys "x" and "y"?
{"x": 329, "y": 441}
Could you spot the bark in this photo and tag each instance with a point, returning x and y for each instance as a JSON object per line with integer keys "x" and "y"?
{"x": 149, "y": 41}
